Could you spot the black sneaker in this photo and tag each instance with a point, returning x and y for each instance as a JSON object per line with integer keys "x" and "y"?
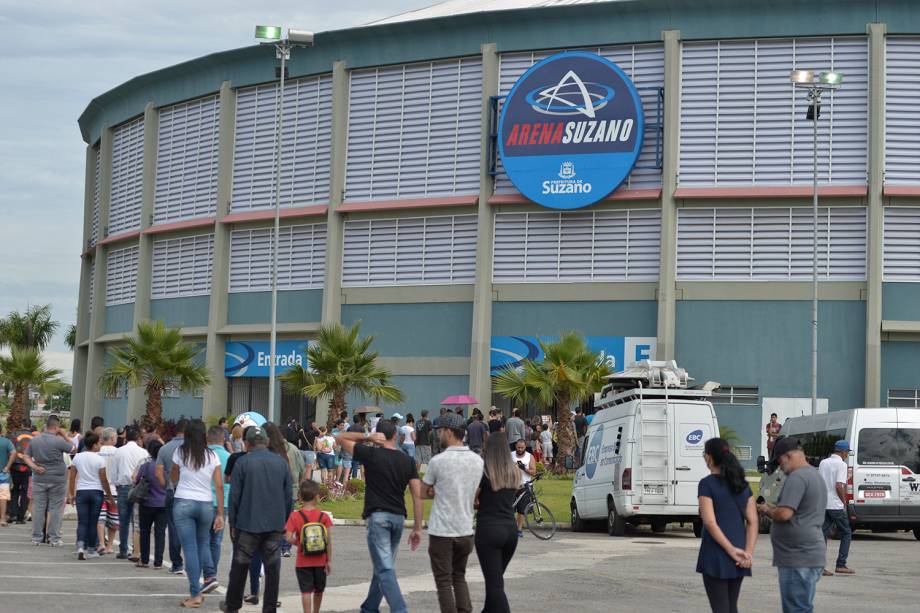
{"x": 253, "y": 599}
{"x": 209, "y": 586}
{"x": 121, "y": 556}
{"x": 225, "y": 609}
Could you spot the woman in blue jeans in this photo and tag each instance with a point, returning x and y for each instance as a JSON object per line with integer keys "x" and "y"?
{"x": 86, "y": 486}
{"x": 195, "y": 468}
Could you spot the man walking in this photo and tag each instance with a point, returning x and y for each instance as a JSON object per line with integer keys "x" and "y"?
{"x": 260, "y": 502}
{"x": 797, "y": 537}
{"x": 452, "y": 479}
{"x": 423, "y": 435}
{"x": 126, "y": 461}
{"x": 514, "y": 429}
{"x": 163, "y": 468}
{"x": 387, "y": 471}
{"x": 834, "y": 472}
{"x": 45, "y": 456}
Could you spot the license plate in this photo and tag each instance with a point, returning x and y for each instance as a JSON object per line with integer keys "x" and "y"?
{"x": 873, "y": 494}
{"x": 655, "y": 490}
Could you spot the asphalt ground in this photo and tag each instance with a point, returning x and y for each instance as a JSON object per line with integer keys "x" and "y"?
{"x": 642, "y": 572}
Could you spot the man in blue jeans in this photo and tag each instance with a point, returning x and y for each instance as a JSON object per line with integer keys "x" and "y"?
{"x": 797, "y": 536}
{"x": 163, "y": 469}
{"x": 834, "y": 471}
{"x": 387, "y": 473}
{"x": 126, "y": 460}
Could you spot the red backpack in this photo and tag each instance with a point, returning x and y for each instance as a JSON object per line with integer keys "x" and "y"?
{"x": 21, "y": 442}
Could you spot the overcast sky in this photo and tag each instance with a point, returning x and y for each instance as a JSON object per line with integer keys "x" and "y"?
{"x": 55, "y": 56}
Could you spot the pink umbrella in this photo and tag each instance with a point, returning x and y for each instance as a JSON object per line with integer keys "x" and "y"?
{"x": 460, "y": 399}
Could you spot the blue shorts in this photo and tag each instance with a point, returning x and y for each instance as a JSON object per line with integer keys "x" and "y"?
{"x": 326, "y": 460}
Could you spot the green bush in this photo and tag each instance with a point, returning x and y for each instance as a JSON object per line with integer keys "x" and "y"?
{"x": 540, "y": 467}
{"x": 355, "y": 486}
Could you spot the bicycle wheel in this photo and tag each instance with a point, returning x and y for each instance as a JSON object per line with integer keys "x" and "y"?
{"x": 540, "y": 521}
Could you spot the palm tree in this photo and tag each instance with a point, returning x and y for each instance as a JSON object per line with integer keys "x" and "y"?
{"x": 569, "y": 372}
{"x": 34, "y": 329}
{"x": 22, "y": 369}
{"x": 730, "y": 436}
{"x": 70, "y": 339}
{"x": 338, "y": 363}
{"x": 154, "y": 359}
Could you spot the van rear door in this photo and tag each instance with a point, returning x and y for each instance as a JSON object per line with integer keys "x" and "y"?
{"x": 909, "y": 431}
{"x": 693, "y": 426}
{"x": 877, "y": 472}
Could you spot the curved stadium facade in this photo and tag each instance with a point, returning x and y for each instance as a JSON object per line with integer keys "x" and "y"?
{"x": 396, "y": 210}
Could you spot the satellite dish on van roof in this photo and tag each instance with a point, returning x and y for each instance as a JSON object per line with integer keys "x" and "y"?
{"x": 652, "y": 374}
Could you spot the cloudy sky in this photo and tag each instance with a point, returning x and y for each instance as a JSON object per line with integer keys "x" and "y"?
{"x": 55, "y": 56}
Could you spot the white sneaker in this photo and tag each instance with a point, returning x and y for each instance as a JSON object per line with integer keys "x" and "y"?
{"x": 81, "y": 554}
{"x": 92, "y": 553}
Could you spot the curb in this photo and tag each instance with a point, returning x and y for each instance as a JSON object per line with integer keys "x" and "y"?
{"x": 409, "y": 524}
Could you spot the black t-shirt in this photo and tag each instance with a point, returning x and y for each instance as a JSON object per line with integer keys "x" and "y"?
{"x": 476, "y": 433}
{"x": 387, "y": 473}
{"x": 422, "y": 432}
{"x": 495, "y": 425}
{"x": 581, "y": 425}
{"x": 228, "y": 469}
{"x": 495, "y": 507}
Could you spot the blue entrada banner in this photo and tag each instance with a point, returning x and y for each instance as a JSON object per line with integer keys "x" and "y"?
{"x": 619, "y": 351}
{"x": 570, "y": 130}
{"x": 251, "y": 358}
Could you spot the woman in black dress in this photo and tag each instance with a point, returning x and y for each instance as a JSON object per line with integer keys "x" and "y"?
{"x": 727, "y": 548}
{"x": 496, "y": 529}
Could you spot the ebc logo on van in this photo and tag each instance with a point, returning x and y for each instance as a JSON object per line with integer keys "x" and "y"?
{"x": 593, "y": 452}
{"x": 695, "y": 437}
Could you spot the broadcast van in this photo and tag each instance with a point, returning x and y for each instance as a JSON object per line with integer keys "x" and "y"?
{"x": 883, "y": 479}
{"x": 643, "y": 454}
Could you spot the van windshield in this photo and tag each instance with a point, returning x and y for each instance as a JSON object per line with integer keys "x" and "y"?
{"x": 897, "y": 446}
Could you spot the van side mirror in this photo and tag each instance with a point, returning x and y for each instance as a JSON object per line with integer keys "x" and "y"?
{"x": 761, "y": 464}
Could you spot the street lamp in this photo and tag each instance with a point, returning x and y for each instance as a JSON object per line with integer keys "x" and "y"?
{"x": 815, "y": 84}
{"x": 271, "y": 35}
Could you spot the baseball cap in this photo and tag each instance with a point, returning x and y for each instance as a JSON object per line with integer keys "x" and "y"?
{"x": 396, "y": 416}
{"x": 842, "y": 445}
{"x": 784, "y": 446}
{"x": 255, "y": 434}
{"x": 450, "y": 420}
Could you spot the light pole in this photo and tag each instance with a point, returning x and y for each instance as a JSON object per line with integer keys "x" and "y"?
{"x": 271, "y": 35}
{"x": 815, "y": 84}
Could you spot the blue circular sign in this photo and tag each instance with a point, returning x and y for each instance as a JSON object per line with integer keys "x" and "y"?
{"x": 593, "y": 452}
{"x": 570, "y": 130}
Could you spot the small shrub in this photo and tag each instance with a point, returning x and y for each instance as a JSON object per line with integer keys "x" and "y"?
{"x": 355, "y": 487}
{"x": 323, "y": 492}
{"x": 540, "y": 467}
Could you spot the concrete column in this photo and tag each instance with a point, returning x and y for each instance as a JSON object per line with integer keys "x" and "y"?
{"x": 332, "y": 284}
{"x": 79, "y": 356}
{"x": 96, "y": 352}
{"x": 481, "y": 342}
{"x": 215, "y": 394}
{"x": 667, "y": 274}
{"x": 136, "y": 399}
{"x": 874, "y": 246}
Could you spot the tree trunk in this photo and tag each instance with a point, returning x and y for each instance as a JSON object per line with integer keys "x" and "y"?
{"x": 565, "y": 432}
{"x": 154, "y": 413}
{"x": 17, "y": 411}
{"x": 335, "y": 409}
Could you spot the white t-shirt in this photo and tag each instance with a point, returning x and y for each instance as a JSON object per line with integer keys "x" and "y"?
{"x": 107, "y": 452}
{"x": 325, "y": 444}
{"x": 833, "y": 470}
{"x": 546, "y": 439}
{"x": 407, "y": 435}
{"x": 455, "y": 474}
{"x": 195, "y": 484}
{"x": 88, "y": 464}
{"x": 524, "y": 459}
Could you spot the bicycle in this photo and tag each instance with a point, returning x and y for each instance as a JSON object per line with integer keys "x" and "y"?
{"x": 537, "y": 516}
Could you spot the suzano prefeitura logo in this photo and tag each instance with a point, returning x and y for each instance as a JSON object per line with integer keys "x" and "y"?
{"x": 570, "y": 130}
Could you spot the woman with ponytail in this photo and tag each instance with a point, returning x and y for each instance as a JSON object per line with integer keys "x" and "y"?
{"x": 729, "y": 527}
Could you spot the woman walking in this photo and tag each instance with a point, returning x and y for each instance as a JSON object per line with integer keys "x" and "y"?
{"x": 325, "y": 455}
{"x": 727, "y": 548}
{"x": 195, "y": 468}
{"x": 152, "y": 510}
{"x": 86, "y": 488}
{"x": 408, "y": 432}
{"x": 496, "y": 530}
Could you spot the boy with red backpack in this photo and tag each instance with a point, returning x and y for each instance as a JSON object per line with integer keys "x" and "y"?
{"x": 310, "y": 529}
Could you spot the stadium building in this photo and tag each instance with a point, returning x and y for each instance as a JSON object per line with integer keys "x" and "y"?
{"x": 397, "y": 208}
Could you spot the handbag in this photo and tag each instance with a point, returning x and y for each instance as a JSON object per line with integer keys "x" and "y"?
{"x": 139, "y": 491}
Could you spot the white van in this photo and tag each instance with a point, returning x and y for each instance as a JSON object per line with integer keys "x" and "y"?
{"x": 883, "y": 485}
{"x": 643, "y": 456}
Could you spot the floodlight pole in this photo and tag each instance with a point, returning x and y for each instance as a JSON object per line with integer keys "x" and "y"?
{"x": 814, "y": 95}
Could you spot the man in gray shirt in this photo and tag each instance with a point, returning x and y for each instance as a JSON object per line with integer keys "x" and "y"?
{"x": 49, "y": 480}
{"x": 163, "y": 470}
{"x": 798, "y": 518}
{"x": 514, "y": 428}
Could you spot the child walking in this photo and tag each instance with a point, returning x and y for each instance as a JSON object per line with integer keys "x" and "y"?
{"x": 310, "y": 529}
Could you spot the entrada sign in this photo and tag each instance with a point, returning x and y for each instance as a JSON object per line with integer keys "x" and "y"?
{"x": 570, "y": 130}
{"x": 252, "y": 358}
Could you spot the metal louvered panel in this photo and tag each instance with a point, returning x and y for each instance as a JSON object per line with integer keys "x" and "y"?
{"x": 186, "y": 170}
{"x": 902, "y": 244}
{"x": 305, "y": 144}
{"x": 741, "y": 117}
{"x": 414, "y": 130}
{"x": 437, "y": 250}
{"x": 645, "y": 66}
{"x": 97, "y": 190}
{"x": 770, "y": 244}
{"x": 120, "y": 276}
{"x": 127, "y": 177}
{"x": 91, "y": 298}
{"x": 619, "y": 245}
{"x": 301, "y": 258}
{"x": 902, "y": 116}
{"x": 182, "y": 266}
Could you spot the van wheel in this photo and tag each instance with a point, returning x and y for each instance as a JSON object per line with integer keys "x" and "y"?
{"x": 616, "y": 525}
{"x": 917, "y": 533}
{"x": 764, "y": 525}
{"x": 697, "y": 528}
{"x": 659, "y": 525}
{"x": 578, "y": 524}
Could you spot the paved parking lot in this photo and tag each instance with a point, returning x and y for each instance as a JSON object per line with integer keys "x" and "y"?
{"x": 643, "y": 572}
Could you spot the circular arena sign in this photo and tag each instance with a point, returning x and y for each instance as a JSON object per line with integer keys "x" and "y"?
{"x": 570, "y": 130}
